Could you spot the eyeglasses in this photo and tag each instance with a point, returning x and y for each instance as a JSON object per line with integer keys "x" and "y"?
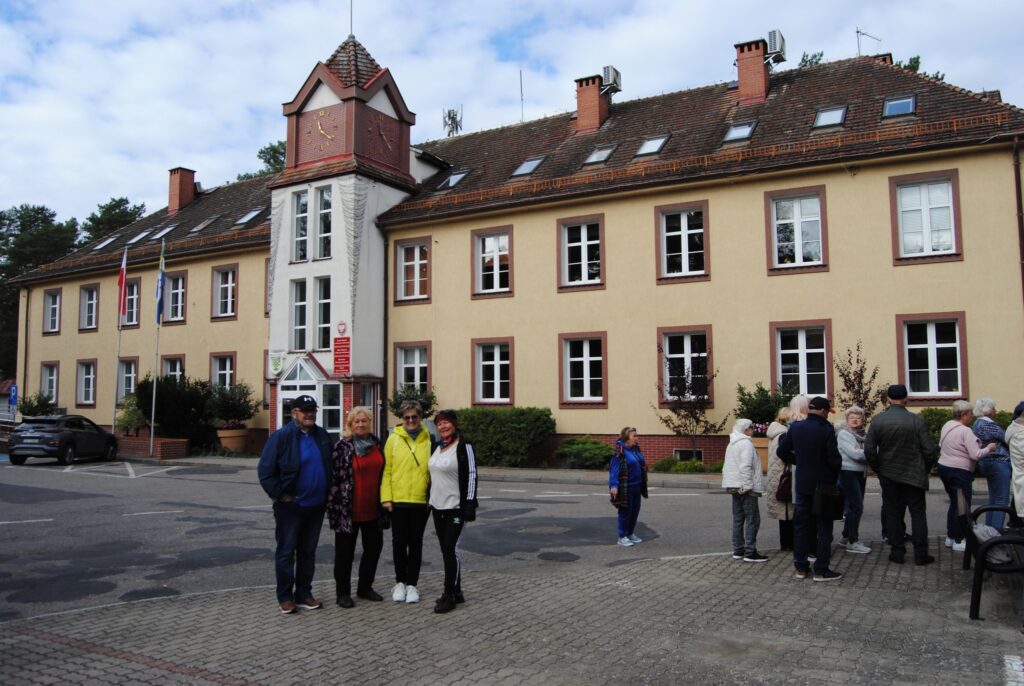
{"x": 410, "y": 417}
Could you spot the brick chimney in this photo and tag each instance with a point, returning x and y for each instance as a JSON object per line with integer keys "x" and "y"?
{"x": 591, "y": 104}
{"x": 182, "y": 191}
{"x": 752, "y": 71}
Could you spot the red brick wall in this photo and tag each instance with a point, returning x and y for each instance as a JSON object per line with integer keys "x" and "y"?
{"x": 163, "y": 448}
{"x": 752, "y": 72}
{"x": 591, "y": 105}
{"x": 657, "y": 447}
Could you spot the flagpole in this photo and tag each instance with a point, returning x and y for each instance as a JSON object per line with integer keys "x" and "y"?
{"x": 122, "y": 287}
{"x": 156, "y": 349}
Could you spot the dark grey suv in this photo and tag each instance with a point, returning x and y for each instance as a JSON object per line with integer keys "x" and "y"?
{"x": 64, "y": 437}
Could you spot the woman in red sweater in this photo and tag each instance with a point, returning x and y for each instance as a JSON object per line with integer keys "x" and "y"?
{"x": 353, "y": 506}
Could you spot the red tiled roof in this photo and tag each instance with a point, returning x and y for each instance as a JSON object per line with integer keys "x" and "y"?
{"x": 352, "y": 64}
{"x": 697, "y": 120}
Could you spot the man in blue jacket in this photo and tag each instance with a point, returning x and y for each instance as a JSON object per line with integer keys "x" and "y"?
{"x": 293, "y": 470}
{"x": 811, "y": 445}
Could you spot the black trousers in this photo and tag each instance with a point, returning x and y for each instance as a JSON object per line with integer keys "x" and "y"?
{"x": 448, "y": 526}
{"x": 785, "y": 534}
{"x": 407, "y": 527}
{"x": 344, "y": 552}
{"x": 898, "y": 498}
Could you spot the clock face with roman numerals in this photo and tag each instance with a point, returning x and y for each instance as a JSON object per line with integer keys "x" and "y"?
{"x": 321, "y": 133}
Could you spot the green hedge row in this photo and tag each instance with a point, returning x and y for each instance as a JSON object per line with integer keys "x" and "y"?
{"x": 505, "y": 436}
{"x": 936, "y": 418}
{"x": 671, "y": 465}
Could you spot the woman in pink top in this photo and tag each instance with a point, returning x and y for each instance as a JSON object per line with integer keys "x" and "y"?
{"x": 959, "y": 450}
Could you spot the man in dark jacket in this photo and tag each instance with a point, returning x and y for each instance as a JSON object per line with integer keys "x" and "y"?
{"x": 811, "y": 446}
{"x": 293, "y": 470}
{"x": 902, "y": 452}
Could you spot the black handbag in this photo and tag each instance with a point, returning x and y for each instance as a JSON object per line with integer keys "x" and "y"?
{"x": 828, "y": 502}
{"x": 784, "y": 491}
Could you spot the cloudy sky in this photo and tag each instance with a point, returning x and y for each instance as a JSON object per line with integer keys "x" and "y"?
{"x": 99, "y": 98}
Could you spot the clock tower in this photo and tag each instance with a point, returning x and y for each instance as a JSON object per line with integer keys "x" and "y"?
{"x": 347, "y": 161}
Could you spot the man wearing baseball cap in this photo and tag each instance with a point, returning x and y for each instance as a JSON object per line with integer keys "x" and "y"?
{"x": 902, "y": 452}
{"x": 294, "y": 470}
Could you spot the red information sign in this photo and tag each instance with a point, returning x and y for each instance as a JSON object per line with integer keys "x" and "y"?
{"x": 343, "y": 356}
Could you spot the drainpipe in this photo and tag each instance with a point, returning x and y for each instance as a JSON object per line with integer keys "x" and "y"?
{"x": 382, "y": 417}
{"x": 1020, "y": 206}
{"x": 24, "y": 368}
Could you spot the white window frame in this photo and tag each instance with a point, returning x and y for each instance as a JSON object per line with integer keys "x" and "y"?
{"x": 324, "y": 223}
{"x": 223, "y": 371}
{"x": 330, "y": 410}
{"x": 300, "y": 226}
{"x": 175, "y": 298}
{"x": 803, "y": 351}
{"x": 85, "y": 390}
{"x": 652, "y": 145}
{"x": 798, "y": 220}
{"x": 453, "y": 180}
{"x": 299, "y": 296}
{"x": 414, "y": 358}
{"x": 686, "y": 357}
{"x": 225, "y": 294}
{"x": 174, "y": 367}
{"x": 417, "y": 257}
{"x": 49, "y": 380}
{"x": 830, "y": 116}
{"x": 127, "y": 377}
{"x": 131, "y": 303}
{"x": 582, "y": 245}
{"x": 489, "y": 261}
{"x": 740, "y": 131}
{"x": 88, "y": 301}
{"x": 51, "y": 312}
{"x": 586, "y": 358}
{"x": 529, "y": 166}
{"x": 499, "y": 365}
{"x": 322, "y": 292}
{"x": 684, "y": 234}
{"x": 925, "y": 208}
{"x": 933, "y": 346}
{"x": 893, "y": 102}
{"x": 601, "y": 153}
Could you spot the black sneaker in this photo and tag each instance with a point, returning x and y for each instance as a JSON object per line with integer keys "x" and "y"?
{"x": 827, "y": 575}
{"x": 458, "y": 597}
{"x": 346, "y": 602}
{"x": 444, "y": 604}
{"x": 898, "y": 559}
{"x": 924, "y": 560}
{"x": 755, "y": 557}
{"x": 737, "y": 554}
{"x": 800, "y": 574}
{"x": 370, "y": 595}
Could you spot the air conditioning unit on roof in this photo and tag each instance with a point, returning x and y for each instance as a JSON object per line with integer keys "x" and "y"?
{"x": 776, "y": 46}
{"x": 611, "y": 80}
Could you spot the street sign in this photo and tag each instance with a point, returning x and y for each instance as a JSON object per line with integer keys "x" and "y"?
{"x": 342, "y": 356}
{"x": 12, "y": 399}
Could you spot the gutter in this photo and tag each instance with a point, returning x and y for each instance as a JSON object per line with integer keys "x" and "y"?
{"x": 1020, "y": 206}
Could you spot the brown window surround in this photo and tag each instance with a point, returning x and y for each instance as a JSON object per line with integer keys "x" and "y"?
{"x": 474, "y": 259}
{"x": 563, "y": 402}
{"x": 659, "y": 243}
{"x": 137, "y": 281}
{"x": 167, "y": 300}
{"x": 397, "y": 367}
{"x": 47, "y": 294}
{"x": 405, "y": 243}
{"x": 233, "y": 354}
{"x": 669, "y": 330}
{"x": 560, "y": 253}
{"x": 138, "y": 374}
{"x": 769, "y": 230}
{"x": 164, "y": 358}
{"x": 266, "y": 287}
{"x": 81, "y": 295}
{"x": 901, "y": 365}
{"x": 826, "y": 324}
{"x": 214, "y": 275}
{"x": 951, "y": 175}
{"x": 56, "y": 365}
{"x": 95, "y": 382}
{"x": 474, "y": 361}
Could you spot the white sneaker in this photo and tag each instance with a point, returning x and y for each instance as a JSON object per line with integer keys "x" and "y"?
{"x": 411, "y": 594}
{"x": 857, "y": 547}
{"x": 949, "y": 542}
{"x": 959, "y": 547}
{"x": 635, "y": 538}
{"x": 398, "y": 592}
{"x": 624, "y": 541}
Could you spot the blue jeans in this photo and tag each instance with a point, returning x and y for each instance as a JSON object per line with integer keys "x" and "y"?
{"x": 997, "y": 472}
{"x": 631, "y": 512}
{"x": 956, "y": 481}
{"x": 803, "y": 520}
{"x": 298, "y": 532}
{"x": 853, "y": 488}
{"x": 746, "y": 520}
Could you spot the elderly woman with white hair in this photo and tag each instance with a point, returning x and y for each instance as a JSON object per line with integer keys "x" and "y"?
{"x": 959, "y": 451}
{"x": 853, "y": 476}
{"x": 995, "y": 466}
{"x": 743, "y": 480}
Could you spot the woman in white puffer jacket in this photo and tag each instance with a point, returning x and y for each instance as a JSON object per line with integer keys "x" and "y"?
{"x": 742, "y": 478}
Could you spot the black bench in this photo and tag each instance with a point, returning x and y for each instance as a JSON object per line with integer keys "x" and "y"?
{"x": 1012, "y": 541}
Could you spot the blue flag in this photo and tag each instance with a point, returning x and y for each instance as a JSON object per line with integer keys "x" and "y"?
{"x": 160, "y": 288}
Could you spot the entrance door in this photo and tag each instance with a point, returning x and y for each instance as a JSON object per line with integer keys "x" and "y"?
{"x": 301, "y": 379}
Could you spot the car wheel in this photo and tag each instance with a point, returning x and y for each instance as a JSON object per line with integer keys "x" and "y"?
{"x": 67, "y": 456}
{"x": 17, "y": 460}
{"x": 111, "y": 454}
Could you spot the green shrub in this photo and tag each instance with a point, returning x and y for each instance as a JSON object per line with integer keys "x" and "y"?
{"x": 665, "y": 464}
{"x": 688, "y": 467}
{"x": 716, "y": 467}
{"x": 761, "y": 405}
{"x": 38, "y": 405}
{"x": 584, "y": 453}
{"x": 427, "y": 400}
{"x": 935, "y": 418}
{"x": 130, "y": 419}
{"x": 183, "y": 408}
{"x": 505, "y": 436}
{"x": 1003, "y": 418}
{"x": 233, "y": 405}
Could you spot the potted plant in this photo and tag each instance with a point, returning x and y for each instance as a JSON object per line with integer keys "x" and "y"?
{"x": 760, "y": 406}
{"x": 130, "y": 419}
{"x": 232, "y": 406}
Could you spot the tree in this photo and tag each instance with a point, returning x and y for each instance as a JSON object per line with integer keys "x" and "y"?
{"x": 109, "y": 217}
{"x": 30, "y": 235}
{"x": 272, "y": 156}
{"x": 858, "y": 385}
{"x": 914, "y": 64}
{"x": 688, "y": 401}
{"x": 810, "y": 60}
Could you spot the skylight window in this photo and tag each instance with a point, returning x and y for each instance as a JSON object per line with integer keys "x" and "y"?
{"x": 830, "y": 116}
{"x": 248, "y": 216}
{"x": 601, "y": 154}
{"x": 139, "y": 237}
{"x": 739, "y": 132}
{"x": 105, "y": 243}
{"x": 162, "y": 232}
{"x": 206, "y": 222}
{"x": 652, "y": 145}
{"x": 895, "y": 107}
{"x": 453, "y": 180}
{"x": 528, "y": 166}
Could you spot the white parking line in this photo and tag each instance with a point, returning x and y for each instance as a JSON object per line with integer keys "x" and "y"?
{"x": 27, "y": 521}
{"x": 1013, "y": 669}
{"x": 139, "y": 514}
{"x": 691, "y": 557}
{"x": 667, "y": 495}
{"x": 254, "y": 507}
{"x": 511, "y": 490}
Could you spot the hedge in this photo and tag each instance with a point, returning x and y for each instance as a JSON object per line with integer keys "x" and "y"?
{"x": 584, "y": 453}
{"x": 505, "y": 436}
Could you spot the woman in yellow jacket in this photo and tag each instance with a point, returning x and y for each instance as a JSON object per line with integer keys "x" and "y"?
{"x": 404, "y": 490}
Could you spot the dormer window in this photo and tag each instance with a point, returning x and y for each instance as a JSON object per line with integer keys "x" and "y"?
{"x": 203, "y": 224}
{"x": 528, "y": 166}
{"x": 739, "y": 132}
{"x": 139, "y": 237}
{"x": 601, "y": 153}
{"x": 897, "y": 107}
{"x": 105, "y": 243}
{"x": 453, "y": 180}
{"x": 248, "y": 216}
{"x": 652, "y": 145}
{"x": 162, "y": 232}
{"x": 830, "y": 116}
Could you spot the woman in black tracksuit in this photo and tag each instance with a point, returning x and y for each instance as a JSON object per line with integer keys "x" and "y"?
{"x": 452, "y": 500}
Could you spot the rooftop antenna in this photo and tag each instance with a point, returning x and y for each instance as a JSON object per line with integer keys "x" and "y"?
{"x": 864, "y": 33}
{"x": 351, "y": 19}
{"x": 522, "y": 106}
{"x": 452, "y": 121}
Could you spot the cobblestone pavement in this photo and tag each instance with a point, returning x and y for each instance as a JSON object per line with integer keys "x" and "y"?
{"x": 701, "y": 619}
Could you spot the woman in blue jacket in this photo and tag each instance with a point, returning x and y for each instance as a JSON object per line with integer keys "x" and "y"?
{"x": 627, "y": 484}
